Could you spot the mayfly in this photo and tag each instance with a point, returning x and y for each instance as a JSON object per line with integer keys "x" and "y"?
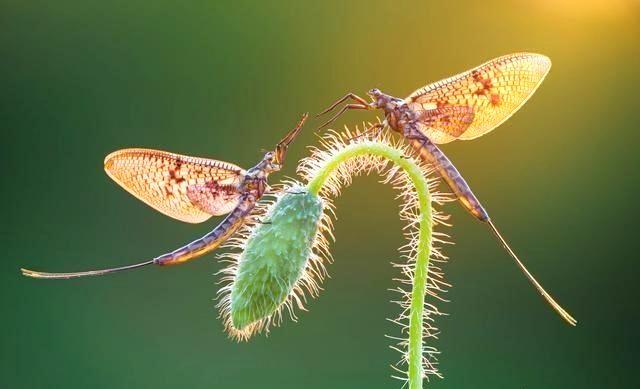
{"x": 192, "y": 190}
{"x": 465, "y": 106}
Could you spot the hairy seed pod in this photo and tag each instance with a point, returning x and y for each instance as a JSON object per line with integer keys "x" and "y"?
{"x": 275, "y": 257}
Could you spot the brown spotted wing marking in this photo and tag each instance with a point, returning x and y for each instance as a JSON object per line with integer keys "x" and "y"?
{"x": 451, "y": 120}
{"x": 213, "y": 197}
{"x": 473, "y": 103}
{"x": 465, "y": 106}
{"x": 186, "y": 188}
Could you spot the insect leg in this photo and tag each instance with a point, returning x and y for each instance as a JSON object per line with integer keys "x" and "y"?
{"x": 343, "y": 110}
{"x": 351, "y": 96}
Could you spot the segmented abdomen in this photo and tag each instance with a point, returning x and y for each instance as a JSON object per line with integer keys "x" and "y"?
{"x": 431, "y": 154}
{"x": 213, "y": 239}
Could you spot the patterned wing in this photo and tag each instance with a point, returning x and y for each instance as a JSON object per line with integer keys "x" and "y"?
{"x": 186, "y": 188}
{"x": 473, "y": 103}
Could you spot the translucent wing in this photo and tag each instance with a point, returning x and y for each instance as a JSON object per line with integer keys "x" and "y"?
{"x": 186, "y": 188}
{"x": 475, "y": 102}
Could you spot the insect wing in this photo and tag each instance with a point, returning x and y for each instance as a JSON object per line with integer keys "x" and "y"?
{"x": 186, "y": 188}
{"x": 473, "y": 103}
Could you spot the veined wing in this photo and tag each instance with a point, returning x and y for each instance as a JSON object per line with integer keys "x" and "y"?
{"x": 473, "y": 103}
{"x": 186, "y": 188}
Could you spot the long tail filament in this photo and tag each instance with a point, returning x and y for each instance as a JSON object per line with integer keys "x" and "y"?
{"x": 564, "y": 314}
{"x": 65, "y": 276}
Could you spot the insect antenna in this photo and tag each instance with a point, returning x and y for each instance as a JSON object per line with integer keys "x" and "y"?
{"x": 64, "y": 276}
{"x": 564, "y": 314}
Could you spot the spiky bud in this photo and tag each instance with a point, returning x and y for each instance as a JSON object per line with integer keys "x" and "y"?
{"x": 278, "y": 264}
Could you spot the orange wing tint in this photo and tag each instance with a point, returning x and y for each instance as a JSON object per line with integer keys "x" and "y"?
{"x": 475, "y": 102}
{"x": 186, "y": 188}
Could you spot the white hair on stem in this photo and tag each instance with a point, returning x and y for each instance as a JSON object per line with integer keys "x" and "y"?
{"x": 340, "y": 175}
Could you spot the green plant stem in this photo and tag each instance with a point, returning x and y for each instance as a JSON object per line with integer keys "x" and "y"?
{"x": 418, "y": 290}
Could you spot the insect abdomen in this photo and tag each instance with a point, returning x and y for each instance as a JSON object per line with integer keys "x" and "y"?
{"x": 431, "y": 154}
{"x": 210, "y": 241}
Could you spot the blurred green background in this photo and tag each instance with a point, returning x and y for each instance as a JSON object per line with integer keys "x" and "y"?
{"x": 225, "y": 79}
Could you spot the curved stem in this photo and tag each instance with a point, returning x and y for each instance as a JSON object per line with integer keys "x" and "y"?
{"x": 418, "y": 290}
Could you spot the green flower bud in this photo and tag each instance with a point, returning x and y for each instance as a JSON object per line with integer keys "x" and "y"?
{"x": 275, "y": 257}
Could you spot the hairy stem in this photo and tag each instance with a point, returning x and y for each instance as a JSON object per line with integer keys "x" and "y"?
{"x": 415, "y": 348}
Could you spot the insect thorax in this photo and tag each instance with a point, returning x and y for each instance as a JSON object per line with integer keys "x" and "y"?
{"x": 396, "y": 112}
{"x": 255, "y": 181}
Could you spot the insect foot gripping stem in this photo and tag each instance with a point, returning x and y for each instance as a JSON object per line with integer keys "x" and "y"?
{"x": 276, "y": 267}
